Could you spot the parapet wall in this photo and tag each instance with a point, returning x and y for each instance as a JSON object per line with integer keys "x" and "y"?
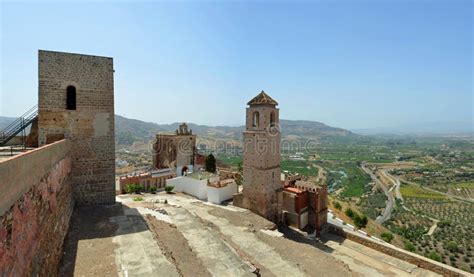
{"x": 35, "y": 207}
{"x": 401, "y": 254}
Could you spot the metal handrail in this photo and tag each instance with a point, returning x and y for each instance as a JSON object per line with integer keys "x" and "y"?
{"x": 33, "y": 109}
{"x": 18, "y": 125}
{"x": 23, "y": 121}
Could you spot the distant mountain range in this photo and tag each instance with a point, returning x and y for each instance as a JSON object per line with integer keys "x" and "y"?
{"x": 129, "y": 131}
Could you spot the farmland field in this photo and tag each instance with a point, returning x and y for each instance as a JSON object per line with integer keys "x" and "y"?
{"x": 418, "y": 192}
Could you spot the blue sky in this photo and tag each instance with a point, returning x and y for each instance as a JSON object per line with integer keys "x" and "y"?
{"x": 350, "y": 64}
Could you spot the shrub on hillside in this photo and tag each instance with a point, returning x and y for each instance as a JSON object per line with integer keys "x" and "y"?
{"x": 337, "y": 205}
{"x": 452, "y": 246}
{"x": 434, "y": 256}
{"x": 388, "y": 237}
{"x": 409, "y": 246}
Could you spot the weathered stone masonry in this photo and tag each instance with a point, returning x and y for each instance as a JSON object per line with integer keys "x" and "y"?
{"x": 34, "y": 215}
{"x": 90, "y": 126}
{"x": 262, "y": 189}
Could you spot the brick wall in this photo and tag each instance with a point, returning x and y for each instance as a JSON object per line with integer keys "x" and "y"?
{"x": 90, "y": 127}
{"x": 35, "y": 209}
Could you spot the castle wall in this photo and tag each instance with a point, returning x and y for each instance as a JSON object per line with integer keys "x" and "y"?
{"x": 90, "y": 127}
{"x": 35, "y": 207}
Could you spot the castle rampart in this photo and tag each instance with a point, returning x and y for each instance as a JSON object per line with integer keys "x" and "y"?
{"x": 36, "y": 204}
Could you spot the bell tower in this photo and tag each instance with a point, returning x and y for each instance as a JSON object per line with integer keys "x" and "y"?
{"x": 261, "y": 165}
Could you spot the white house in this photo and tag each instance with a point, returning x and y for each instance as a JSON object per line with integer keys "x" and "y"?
{"x": 204, "y": 186}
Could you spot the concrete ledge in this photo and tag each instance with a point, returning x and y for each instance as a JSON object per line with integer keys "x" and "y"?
{"x": 398, "y": 253}
{"x": 19, "y": 173}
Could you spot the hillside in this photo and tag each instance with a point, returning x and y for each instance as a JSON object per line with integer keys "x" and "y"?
{"x": 132, "y": 130}
{"x": 129, "y": 130}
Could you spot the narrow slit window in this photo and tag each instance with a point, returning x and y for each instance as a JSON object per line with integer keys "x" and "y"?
{"x": 71, "y": 98}
{"x": 272, "y": 118}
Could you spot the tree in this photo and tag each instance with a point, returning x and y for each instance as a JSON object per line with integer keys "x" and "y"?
{"x": 240, "y": 170}
{"x": 452, "y": 246}
{"x": 350, "y": 213}
{"x": 337, "y": 205}
{"x": 388, "y": 237}
{"x": 210, "y": 163}
{"x": 360, "y": 221}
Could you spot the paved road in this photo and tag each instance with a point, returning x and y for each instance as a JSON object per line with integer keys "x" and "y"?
{"x": 387, "y": 212}
{"x": 396, "y": 183}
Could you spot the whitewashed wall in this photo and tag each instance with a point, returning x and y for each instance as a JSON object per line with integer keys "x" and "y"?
{"x": 188, "y": 185}
{"x": 217, "y": 195}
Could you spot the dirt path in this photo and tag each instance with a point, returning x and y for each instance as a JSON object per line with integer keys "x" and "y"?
{"x": 433, "y": 227}
{"x": 176, "y": 248}
{"x": 321, "y": 179}
{"x": 218, "y": 257}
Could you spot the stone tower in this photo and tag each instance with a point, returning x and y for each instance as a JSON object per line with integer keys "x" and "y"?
{"x": 262, "y": 189}
{"x": 76, "y": 102}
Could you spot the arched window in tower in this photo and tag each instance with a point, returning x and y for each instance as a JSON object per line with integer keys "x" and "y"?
{"x": 71, "y": 98}
{"x": 272, "y": 117}
{"x": 255, "y": 119}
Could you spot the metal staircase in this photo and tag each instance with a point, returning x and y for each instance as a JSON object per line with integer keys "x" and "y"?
{"x": 18, "y": 125}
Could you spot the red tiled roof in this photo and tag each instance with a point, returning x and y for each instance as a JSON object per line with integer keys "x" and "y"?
{"x": 293, "y": 190}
